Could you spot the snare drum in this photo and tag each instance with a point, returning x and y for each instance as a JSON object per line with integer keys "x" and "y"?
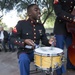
{"x": 48, "y": 57}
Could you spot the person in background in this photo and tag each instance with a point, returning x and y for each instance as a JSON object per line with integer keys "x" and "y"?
{"x": 11, "y": 45}
{"x": 3, "y": 38}
{"x": 63, "y": 9}
{"x": 27, "y": 35}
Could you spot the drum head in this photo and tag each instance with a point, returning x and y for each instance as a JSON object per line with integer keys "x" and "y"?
{"x": 48, "y": 50}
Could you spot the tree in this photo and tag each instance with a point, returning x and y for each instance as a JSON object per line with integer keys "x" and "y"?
{"x": 20, "y": 5}
{"x": 3, "y": 24}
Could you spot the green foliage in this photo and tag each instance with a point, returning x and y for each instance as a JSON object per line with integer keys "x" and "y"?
{"x": 50, "y": 22}
{"x": 46, "y": 7}
{"x": 3, "y": 24}
{"x": 7, "y": 4}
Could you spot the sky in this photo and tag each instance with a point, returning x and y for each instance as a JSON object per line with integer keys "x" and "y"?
{"x": 11, "y": 19}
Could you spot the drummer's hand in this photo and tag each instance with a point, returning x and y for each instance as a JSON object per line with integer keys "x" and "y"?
{"x": 29, "y": 42}
{"x": 52, "y": 40}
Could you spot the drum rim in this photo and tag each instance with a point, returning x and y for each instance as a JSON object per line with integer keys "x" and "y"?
{"x": 59, "y": 54}
{"x": 43, "y": 54}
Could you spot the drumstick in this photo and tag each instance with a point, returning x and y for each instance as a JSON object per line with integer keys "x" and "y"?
{"x": 52, "y": 45}
{"x": 36, "y": 46}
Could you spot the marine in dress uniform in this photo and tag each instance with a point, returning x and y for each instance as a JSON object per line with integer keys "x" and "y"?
{"x": 28, "y": 29}
{"x": 63, "y": 9}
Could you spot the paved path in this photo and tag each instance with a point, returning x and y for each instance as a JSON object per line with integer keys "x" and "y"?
{"x": 9, "y": 65}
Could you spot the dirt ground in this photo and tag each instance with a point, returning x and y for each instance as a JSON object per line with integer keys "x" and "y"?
{"x": 9, "y": 65}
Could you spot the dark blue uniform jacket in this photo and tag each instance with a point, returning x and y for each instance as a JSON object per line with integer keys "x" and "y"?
{"x": 63, "y": 9}
{"x": 27, "y": 29}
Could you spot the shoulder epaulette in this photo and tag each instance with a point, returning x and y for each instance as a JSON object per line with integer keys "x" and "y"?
{"x": 56, "y": 2}
{"x": 14, "y": 30}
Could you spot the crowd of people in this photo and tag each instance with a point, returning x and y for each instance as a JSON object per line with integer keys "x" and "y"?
{"x": 5, "y": 43}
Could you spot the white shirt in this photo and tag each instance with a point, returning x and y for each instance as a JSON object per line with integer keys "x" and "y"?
{"x": 1, "y": 35}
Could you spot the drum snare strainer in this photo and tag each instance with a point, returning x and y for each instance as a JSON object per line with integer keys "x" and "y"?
{"x": 47, "y": 57}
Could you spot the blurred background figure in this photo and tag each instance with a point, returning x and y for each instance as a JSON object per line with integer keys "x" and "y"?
{"x": 3, "y": 38}
{"x": 11, "y": 46}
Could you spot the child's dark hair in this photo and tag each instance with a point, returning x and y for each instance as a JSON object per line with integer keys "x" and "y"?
{"x": 30, "y": 6}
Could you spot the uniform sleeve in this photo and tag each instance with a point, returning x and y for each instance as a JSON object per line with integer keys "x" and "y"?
{"x": 61, "y": 13}
{"x": 16, "y": 35}
{"x": 44, "y": 39}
